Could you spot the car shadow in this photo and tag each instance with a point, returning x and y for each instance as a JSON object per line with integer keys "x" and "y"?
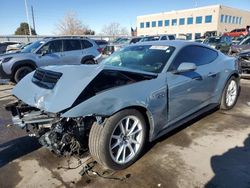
{"x": 16, "y": 148}
{"x": 232, "y": 168}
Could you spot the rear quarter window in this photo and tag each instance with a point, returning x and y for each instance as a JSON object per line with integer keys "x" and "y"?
{"x": 86, "y": 44}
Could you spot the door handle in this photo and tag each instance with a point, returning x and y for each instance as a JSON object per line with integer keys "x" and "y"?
{"x": 212, "y": 74}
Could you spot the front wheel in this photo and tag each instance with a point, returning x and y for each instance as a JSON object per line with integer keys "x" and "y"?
{"x": 119, "y": 142}
{"x": 22, "y": 72}
{"x": 230, "y": 94}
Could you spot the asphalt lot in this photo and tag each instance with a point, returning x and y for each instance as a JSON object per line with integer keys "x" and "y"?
{"x": 211, "y": 151}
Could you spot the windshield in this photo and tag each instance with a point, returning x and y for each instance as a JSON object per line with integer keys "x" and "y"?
{"x": 245, "y": 41}
{"x": 148, "y": 58}
{"x": 122, "y": 41}
{"x": 32, "y": 47}
{"x": 152, "y": 38}
{"x": 212, "y": 40}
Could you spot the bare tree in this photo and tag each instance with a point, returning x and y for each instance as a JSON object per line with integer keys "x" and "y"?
{"x": 114, "y": 29}
{"x": 71, "y": 25}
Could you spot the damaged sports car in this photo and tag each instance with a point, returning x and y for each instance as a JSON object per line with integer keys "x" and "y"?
{"x": 133, "y": 97}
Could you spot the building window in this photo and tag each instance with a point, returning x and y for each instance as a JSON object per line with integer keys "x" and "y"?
{"x": 142, "y": 25}
{"x": 147, "y": 24}
{"x": 230, "y": 19}
{"x": 166, "y": 23}
{"x": 222, "y": 18}
{"x": 190, "y": 20}
{"x": 160, "y": 23}
{"x": 237, "y": 20}
{"x": 208, "y": 19}
{"x": 182, "y": 21}
{"x": 174, "y": 22}
{"x": 189, "y": 36}
{"x": 199, "y": 19}
{"x": 153, "y": 23}
{"x": 226, "y": 18}
{"x": 240, "y": 19}
{"x": 197, "y": 35}
{"x": 233, "y": 20}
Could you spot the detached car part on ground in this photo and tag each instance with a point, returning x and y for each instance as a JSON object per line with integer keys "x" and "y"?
{"x": 131, "y": 98}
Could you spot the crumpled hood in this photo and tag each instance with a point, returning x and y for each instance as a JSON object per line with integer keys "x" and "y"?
{"x": 73, "y": 80}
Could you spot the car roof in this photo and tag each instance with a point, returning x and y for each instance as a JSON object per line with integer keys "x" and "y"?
{"x": 175, "y": 43}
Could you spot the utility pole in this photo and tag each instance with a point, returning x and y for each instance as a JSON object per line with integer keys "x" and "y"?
{"x": 33, "y": 19}
{"x": 27, "y": 14}
{"x": 196, "y": 3}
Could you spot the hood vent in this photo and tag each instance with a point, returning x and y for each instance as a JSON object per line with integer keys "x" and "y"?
{"x": 45, "y": 78}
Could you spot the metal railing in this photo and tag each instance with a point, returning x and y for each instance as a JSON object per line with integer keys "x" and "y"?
{"x": 27, "y": 38}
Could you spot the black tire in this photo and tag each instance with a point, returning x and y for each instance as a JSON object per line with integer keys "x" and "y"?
{"x": 100, "y": 140}
{"x": 22, "y": 72}
{"x": 89, "y": 62}
{"x": 224, "y": 105}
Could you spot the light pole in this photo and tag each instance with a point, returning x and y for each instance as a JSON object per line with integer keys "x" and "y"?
{"x": 27, "y": 14}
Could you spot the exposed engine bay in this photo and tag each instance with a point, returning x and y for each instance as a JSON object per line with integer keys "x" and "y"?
{"x": 62, "y": 136}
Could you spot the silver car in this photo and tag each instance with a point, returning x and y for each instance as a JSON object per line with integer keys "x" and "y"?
{"x": 134, "y": 96}
{"x": 50, "y": 51}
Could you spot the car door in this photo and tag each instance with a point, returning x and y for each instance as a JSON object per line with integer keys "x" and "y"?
{"x": 72, "y": 51}
{"x": 88, "y": 49}
{"x": 190, "y": 91}
{"x": 50, "y": 53}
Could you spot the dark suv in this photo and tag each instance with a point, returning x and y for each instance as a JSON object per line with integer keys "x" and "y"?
{"x": 49, "y": 51}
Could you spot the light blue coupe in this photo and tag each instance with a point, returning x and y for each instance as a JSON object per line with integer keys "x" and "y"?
{"x": 134, "y": 96}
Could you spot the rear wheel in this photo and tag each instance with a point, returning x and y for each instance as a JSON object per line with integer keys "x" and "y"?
{"x": 22, "y": 72}
{"x": 120, "y": 141}
{"x": 230, "y": 94}
{"x": 89, "y": 62}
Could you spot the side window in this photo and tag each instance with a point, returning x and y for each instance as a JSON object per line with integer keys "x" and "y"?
{"x": 194, "y": 54}
{"x": 86, "y": 44}
{"x": 163, "y": 38}
{"x": 51, "y": 47}
{"x": 171, "y": 37}
{"x": 69, "y": 45}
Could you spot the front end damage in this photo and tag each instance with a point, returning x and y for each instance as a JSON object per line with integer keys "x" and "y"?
{"x": 60, "y": 114}
{"x": 63, "y": 136}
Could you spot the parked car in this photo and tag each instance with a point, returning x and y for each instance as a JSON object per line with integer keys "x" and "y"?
{"x": 221, "y": 43}
{"x": 237, "y": 33}
{"x": 50, "y": 51}
{"x": 237, "y": 40}
{"x": 157, "y": 37}
{"x": 116, "y": 45}
{"x": 135, "y": 40}
{"x": 4, "y": 45}
{"x": 101, "y": 43}
{"x": 244, "y": 44}
{"x": 244, "y": 61}
{"x": 18, "y": 49}
{"x": 135, "y": 95}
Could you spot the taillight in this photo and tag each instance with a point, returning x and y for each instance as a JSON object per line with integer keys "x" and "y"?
{"x": 100, "y": 50}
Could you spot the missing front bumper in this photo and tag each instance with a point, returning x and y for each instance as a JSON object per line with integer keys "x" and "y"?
{"x": 24, "y": 115}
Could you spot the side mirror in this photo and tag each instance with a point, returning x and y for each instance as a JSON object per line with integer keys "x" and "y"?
{"x": 185, "y": 67}
{"x": 43, "y": 53}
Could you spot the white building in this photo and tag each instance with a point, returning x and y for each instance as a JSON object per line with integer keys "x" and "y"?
{"x": 193, "y": 22}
